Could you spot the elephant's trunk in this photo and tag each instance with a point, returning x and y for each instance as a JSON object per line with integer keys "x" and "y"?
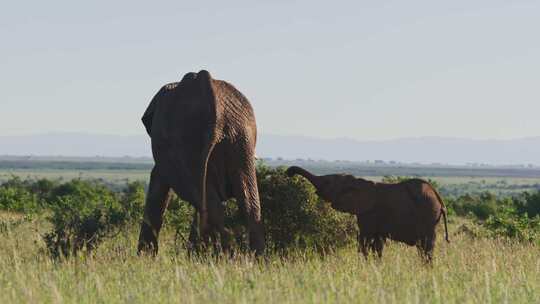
{"x": 314, "y": 179}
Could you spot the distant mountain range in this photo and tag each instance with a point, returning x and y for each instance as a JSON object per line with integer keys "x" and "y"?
{"x": 424, "y": 150}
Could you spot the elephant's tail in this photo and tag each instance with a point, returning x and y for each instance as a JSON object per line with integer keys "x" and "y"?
{"x": 443, "y": 213}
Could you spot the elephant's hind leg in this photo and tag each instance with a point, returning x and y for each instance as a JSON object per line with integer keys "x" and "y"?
{"x": 425, "y": 246}
{"x": 198, "y": 243}
{"x": 194, "y": 243}
{"x": 217, "y": 222}
{"x": 247, "y": 196}
{"x": 217, "y": 236}
{"x": 378, "y": 246}
{"x": 157, "y": 199}
{"x": 364, "y": 243}
{"x": 368, "y": 237}
{"x": 223, "y": 244}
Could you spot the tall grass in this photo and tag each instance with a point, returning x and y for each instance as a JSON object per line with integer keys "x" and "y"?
{"x": 467, "y": 270}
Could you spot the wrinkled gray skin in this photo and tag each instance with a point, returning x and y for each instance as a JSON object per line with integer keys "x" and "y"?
{"x": 407, "y": 212}
{"x": 203, "y": 136}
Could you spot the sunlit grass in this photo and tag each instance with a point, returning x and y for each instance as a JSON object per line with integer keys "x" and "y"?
{"x": 465, "y": 271}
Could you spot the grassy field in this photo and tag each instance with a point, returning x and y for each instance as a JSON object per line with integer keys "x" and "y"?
{"x": 467, "y": 270}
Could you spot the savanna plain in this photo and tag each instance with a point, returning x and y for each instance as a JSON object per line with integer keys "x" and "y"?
{"x": 477, "y": 266}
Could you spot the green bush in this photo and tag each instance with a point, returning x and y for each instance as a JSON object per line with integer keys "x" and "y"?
{"x": 179, "y": 216}
{"x": 528, "y": 203}
{"x": 16, "y": 195}
{"x": 82, "y": 214}
{"x": 132, "y": 200}
{"x": 43, "y": 189}
{"x": 294, "y": 215}
{"x": 481, "y": 206}
{"x": 512, "y": 226}
{"x": 393, "y": 179}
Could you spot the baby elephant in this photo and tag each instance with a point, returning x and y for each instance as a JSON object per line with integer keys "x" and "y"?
{"x": 406, "y": 212}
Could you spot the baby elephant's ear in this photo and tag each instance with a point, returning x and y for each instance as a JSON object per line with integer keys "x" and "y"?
{"x": 356, "y": 201}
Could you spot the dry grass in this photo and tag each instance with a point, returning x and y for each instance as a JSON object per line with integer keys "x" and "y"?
{"x": 465, "y": 271}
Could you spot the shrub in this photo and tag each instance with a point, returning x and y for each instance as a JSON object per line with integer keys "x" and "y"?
{"x": 83, "y": 213}
{"x": 15, "y": 195}
{"x": 179, "y": 216}
{"x": 393, "y": 179}
{"x": 481, "y": 206}
{"x": 43, "y": 189}
{"x": 528, "y": 203}
{"x": 519, "y": 227}
{"x": 294, "y": 215}
{"x": 132, "y": 200}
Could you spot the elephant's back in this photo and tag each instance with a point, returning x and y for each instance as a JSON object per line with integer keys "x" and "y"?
{"x": 239, "y": 116}
{"x": 411, "y": 209}
{"x": 427, "y": 201}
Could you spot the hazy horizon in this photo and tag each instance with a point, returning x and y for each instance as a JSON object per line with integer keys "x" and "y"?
{"x": 362, "y": 70}
{"x": 82, "y": 133}
{"x": 424, "y": 150}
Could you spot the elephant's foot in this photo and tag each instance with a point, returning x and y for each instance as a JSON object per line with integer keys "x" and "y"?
{"x": 256, "y": 238}
{"x": 378, "y": 246}
{"x": 426, "y": 255}
{"x": 148, "y": 243}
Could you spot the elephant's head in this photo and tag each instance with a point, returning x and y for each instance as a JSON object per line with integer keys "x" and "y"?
{"x": 345, "y": 192}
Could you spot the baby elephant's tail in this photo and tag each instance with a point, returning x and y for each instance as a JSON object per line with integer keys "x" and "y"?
{"x": 443, "y": 212}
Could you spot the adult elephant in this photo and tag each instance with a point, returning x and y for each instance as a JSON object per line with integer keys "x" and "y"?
{"x": 407, "y": 212}
{"x": 203, "y": 135}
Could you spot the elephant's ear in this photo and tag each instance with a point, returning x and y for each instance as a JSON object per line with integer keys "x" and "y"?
{"x": 357, "y": 199}
{"x": 148, "y": 116}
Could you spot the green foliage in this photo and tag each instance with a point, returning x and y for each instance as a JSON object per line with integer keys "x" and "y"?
{"x": 519, "y": 227}
{"x": 132, "y": 199}
{"x": 528, "y": 203}
{"x": 179, "y": 216}
{"x": 393, "y": 179}
{"x": 82, "y": 214}
{"x": 481, "y": 206}
{"x": 502, "y": 217}
{"x": 15, "y": 195}
{"x": 294, "y": 215}
{"x": 519, "y": 219}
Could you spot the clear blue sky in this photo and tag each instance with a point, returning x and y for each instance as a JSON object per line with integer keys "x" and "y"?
{"x": 359, "y": 69}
